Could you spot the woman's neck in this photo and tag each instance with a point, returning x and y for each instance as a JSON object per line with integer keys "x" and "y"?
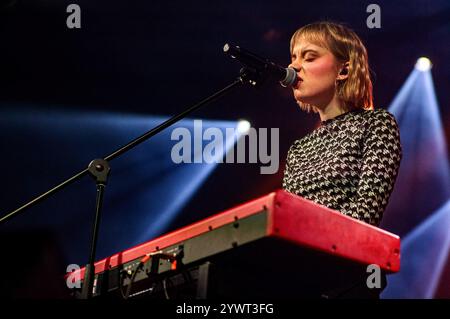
{"x": 331, "y": 110}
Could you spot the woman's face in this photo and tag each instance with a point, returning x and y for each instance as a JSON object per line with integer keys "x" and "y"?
{"x": 317, "y": 73}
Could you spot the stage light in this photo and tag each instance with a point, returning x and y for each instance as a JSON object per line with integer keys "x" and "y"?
{"x": 424, "y": 255}
{"x": 243, "y": 127}
{"x": 419, "y": 210}
{"x": 423, "y": 64}
{"x": 146, "y": 189}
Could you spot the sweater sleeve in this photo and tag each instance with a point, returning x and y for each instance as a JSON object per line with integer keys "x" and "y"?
{"x": 382, "y": 153}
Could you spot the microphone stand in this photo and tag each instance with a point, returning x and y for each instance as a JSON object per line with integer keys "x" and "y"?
{"x": 99, "y": 169}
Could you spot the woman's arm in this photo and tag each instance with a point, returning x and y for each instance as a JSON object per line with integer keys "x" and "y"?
{"x": 382, "y": 154}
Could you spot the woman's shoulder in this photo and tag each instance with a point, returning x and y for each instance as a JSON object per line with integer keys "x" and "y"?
{"x": 382, "y": 126}
{"x": 377, "y": 113}
{"x": 382, "y": 113}
{"x": 380, "y": 117}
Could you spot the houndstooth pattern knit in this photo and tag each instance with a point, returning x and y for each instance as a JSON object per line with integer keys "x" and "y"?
{"x": 349, "y": 164}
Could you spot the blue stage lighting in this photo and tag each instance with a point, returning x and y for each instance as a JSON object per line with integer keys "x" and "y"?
{"x": 419, "y": 210}
{"x": 424, "y": 255}
{"x": 145, "y": 190}
{"x": 423, "y": 183}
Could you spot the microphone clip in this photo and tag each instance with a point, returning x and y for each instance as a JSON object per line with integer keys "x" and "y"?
{"x": 251, "y": 76}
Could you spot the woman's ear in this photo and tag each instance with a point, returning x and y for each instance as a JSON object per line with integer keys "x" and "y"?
{"x": 343, "y": 74}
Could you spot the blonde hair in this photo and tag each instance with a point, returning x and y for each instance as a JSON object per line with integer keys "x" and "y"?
{"x": 356, "y": 91}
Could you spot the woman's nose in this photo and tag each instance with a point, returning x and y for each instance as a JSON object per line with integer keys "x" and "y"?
{"x": 295, "y": 66}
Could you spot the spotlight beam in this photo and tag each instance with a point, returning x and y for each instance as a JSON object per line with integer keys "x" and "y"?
{"x": 126, "y": 148}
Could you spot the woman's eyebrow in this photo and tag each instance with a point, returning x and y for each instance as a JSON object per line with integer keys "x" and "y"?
{"x": 305, "y": 51}
{"x": 308, "y": 50}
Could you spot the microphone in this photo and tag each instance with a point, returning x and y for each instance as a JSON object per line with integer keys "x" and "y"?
{"x": 286, "y": 76}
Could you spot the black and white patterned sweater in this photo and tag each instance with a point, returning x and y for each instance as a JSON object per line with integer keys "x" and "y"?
{"x": 349, "y": 164}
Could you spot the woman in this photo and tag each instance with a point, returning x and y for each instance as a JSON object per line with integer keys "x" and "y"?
{"x": 350, "y": 162}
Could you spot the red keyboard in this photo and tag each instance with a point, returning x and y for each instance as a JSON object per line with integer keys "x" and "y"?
{"x": 282, "y": 216}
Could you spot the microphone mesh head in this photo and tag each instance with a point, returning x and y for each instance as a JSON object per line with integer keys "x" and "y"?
{"x": 290, "y": 79}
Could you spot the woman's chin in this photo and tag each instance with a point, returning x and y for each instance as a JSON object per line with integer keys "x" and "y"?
{"x": 304, "y": 100}
{"x": 300, "y": 96}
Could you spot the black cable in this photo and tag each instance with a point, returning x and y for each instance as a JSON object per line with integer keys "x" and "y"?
{"x": 122, "y": 294}
{"x": 156, "y": 256}
{"x": 142, "y": 262}
{"x": 164, "y": 282}
{"x": 133, "y": 277}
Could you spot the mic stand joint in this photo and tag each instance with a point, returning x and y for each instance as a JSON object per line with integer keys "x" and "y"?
{"x": 99, "y": 170}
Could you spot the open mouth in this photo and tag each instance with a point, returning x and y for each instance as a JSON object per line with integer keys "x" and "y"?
{"x": 297, "y": 84}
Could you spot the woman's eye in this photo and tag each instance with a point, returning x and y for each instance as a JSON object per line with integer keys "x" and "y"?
{"x": 309, "y": 59}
